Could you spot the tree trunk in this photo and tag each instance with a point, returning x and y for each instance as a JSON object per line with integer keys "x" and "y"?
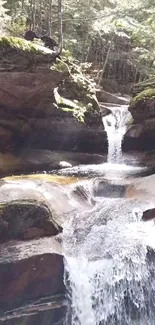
{"x": 50, "y": 19}
{"x": 23, "y": 6}
{"x": 105, "y": 64}
{"x": 60, "y": 34}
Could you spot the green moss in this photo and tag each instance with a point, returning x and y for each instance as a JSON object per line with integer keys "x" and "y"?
{"x": 77, "y": 93}
{"x": 143, "y": 95}
{"x": 18, "y": 43}
{"x": 77, "y": 108}
{"x": 60, "y": 66}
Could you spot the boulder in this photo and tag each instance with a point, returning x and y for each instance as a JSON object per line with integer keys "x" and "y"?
{"x": 107, "y": 188}
{"x": 32, "y": 160}
{"x": 29, "y": 270}
{"x": 32, "y": 208}
{"x": 26, "y": 220}
{"x": 106, "y": 97}
{"x": 38, "y": 205}
{"x": 40, "y": 311}
{"x": 44, "y": 103}
{"x": 143, "y": 189}
{"x": 142, "y": 108}
{"x": 148, "y": 214}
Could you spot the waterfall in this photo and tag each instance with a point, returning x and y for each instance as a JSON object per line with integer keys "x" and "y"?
{"x": 115, "y": 125}
{"x": 109, "y": 272}
{"x": 109, "y": 253}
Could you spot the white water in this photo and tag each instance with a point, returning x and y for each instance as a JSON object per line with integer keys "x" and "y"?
{"x": 107, "y": 274}
{"x": 109, "y": 270}
{"x": 115, "y": 125}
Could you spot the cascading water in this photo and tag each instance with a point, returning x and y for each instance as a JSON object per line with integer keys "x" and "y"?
{"x": 108, "y": 273}
{"x": 115, "y": 125}
{"x": 108, "y": 253}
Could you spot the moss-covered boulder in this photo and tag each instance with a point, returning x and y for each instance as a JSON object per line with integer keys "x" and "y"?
{"x": 45, "y": 103}
{"x": 142, "y": 108}
{"x": 144, "y": 85}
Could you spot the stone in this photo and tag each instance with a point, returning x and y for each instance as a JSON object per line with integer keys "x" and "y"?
{"x": 29, "y": 270}
{"x": 143, "y": 189}
{"x": 142, "y": 108}
{"x": 50, "y": 310}
{"x": 134, "y": 131}
{"x": 43, "y": 160}
{"x": 148, "y": 214}
{"x": 43, "y": 105}
{"x": 26, "y": 220}
{"x": 104, "y": 96}
{"x": 40, "y": 205}
{"x": 105, "y": 188}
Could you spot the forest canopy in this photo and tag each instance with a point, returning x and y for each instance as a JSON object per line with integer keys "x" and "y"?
{"x": 116, "y": 38}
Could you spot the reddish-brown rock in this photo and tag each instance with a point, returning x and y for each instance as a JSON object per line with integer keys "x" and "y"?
{"x": 30, "y": 115}
{"x": 29, "y": 271}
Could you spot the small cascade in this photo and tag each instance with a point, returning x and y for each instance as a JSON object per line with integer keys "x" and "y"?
{"x": 115, "y": 125}
{"x": 109, "y": 275}
{"x": 109, "y": 252}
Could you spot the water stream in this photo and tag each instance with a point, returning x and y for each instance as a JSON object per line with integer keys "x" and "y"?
{"x": 108, "y": 254}
{"x": 115, "y": 125}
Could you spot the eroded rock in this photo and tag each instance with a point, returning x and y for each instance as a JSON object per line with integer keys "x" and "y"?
{"x": 104, "y": 96}
{"x": 142, "y": 108}
{"x": 148, "y": 214}
{"x": 43, "y": 160}
{"x": 43, "y": 104}
{"x": 28, "y": 271}
{"x": 40, "y": 311}
{"x": 26, "y": 220}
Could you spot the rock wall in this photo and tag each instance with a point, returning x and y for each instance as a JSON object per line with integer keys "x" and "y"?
{"x": 45, "y": 104}
{"x": 141, "y": 136}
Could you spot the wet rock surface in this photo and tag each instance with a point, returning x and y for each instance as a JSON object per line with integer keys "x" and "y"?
{"x": 115, "y": 202}
{"x": 51, "y": 197}
{"x": 34, "y": 209}
{"x": 26, "y": 220}
{"x": 29, "y": 271}
{"x": 40, "y": 311}
{"x": 104, "y": 96}
{"x": 43, "y": 160}
{"x": 148, "y": 214}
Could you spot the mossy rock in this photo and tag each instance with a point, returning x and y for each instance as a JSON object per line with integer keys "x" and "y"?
{"x": 142, "y": 106}
{"x": 145, "y": 85}
{"x": 143, "y": 96}
{"x": 76, "y": 93}
{"x": 47, "y": 100}
{"x": 19, "y": 44}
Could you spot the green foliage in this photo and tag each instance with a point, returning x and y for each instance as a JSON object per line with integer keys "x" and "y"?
{"x": 143, "y": 95}
{"x": 77, "y": 108}
{"x": 116, "y": 36}
{"x": 17, "y": 27}
{"x": 77, "y": 94}
{"x": 17, "y": 43}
